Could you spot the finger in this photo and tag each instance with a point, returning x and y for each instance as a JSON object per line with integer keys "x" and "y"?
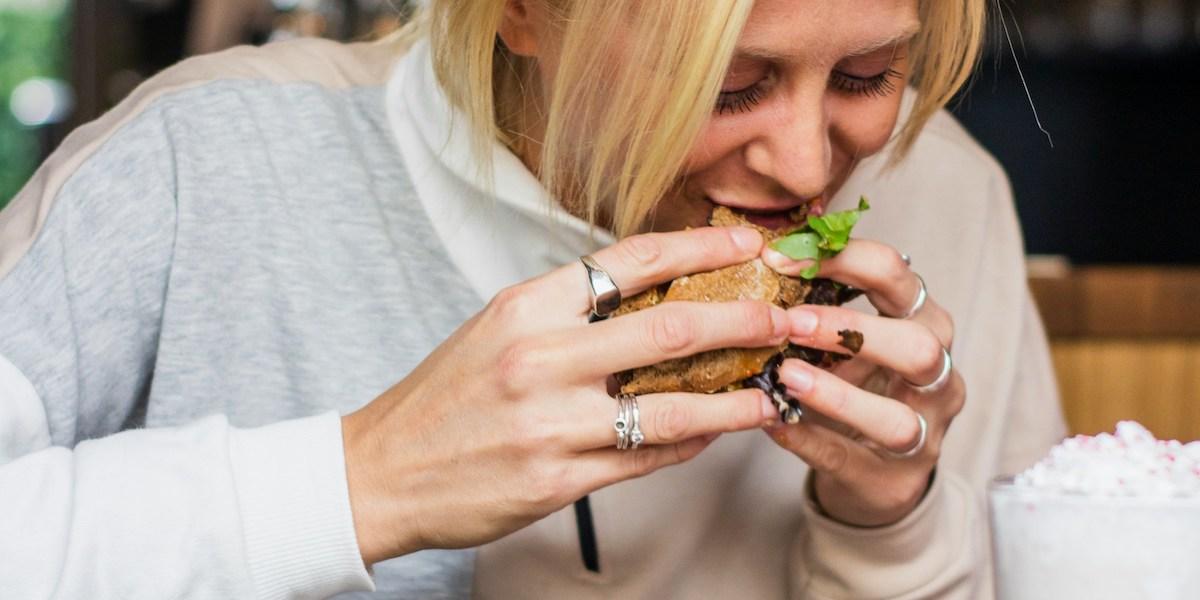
{"x": 877, "y": 269}
{"x": 944, "y": 404}
{"x": 889, "y": 423}
{"x": 604, "y": 467}
{"x": 672, "y": 418}
{"x": 641, "y": 261}
{"x": 669, "y": 330}
{"x": 825, "y": 450}
{"x": 890, "y": 284}
{"x": 906, "y": 347}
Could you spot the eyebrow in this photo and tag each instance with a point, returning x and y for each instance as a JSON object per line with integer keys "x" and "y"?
{"x": 900, "y": 37}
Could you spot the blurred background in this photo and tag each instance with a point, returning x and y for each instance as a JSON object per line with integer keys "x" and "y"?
{"x": 1108, "y": 194}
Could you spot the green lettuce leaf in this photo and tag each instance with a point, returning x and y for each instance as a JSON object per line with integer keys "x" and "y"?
{"x": 821, "y": 238}
{"x": 799, "y": 246}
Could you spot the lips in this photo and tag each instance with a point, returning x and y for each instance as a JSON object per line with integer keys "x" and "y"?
{"x": 777, "y": 220}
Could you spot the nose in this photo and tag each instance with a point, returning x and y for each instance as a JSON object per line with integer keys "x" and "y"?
{"x": 795, "y": 148}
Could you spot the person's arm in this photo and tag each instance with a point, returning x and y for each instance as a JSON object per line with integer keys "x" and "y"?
{"x": 937, "y": 551}
{"x": 202, "y": 511}
{"x": 1010, "y": 418}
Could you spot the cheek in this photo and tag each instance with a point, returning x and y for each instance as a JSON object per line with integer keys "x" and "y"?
{"x": 860, "y": 128}
{"x": 716, "y": 142}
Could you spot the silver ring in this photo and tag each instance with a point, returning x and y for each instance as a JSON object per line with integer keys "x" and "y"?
{"x": 621, "y": 424}
{"x": 919, "y": 446}
{"x": 635, "y": 431}
{"x": 906, "y": 258}
{"x": 942, "y": 378}
{"x": 606, "y": 297}
{"x": 628, "y": 422}
{"x": 918, "y": 303}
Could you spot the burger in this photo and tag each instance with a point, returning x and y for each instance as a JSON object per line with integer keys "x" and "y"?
{"x": 811, "y": 237}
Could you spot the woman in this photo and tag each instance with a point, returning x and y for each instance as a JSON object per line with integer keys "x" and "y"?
{"x": 270, "y": 238}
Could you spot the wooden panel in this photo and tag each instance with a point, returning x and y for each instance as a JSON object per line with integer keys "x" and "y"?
{"x": 1121, "y": 301}
{"x": 1156, "y": 382}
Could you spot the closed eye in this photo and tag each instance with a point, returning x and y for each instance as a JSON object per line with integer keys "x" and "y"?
{"x": 877, "y": 86}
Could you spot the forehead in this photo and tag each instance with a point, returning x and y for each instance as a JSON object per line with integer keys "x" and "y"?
{"x": 825, "y": 30}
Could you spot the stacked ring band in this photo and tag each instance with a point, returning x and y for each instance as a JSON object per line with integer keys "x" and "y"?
{"x": 628, "y": 423}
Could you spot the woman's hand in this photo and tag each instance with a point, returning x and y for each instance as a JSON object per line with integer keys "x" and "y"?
{"x": 852, "y": 442}
{"x": 509, "y": 420}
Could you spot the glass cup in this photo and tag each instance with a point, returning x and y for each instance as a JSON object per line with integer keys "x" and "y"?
{"x": 1056, "y": 545}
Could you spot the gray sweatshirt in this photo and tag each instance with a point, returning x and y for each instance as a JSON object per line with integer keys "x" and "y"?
{"x": 236, "y": 245}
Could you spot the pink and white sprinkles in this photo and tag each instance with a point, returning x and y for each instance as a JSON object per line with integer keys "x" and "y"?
{"x": 1128, "y": 463}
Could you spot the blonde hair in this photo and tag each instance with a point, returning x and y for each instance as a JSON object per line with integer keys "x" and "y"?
{"x": 640, "y": 117}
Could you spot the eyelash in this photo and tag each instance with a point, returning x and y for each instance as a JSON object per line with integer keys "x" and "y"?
{"x": 738, "y": 101}
{"x": 876, "y": 86}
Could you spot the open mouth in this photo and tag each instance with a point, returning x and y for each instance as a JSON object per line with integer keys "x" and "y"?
{"x": 778, "y": 220}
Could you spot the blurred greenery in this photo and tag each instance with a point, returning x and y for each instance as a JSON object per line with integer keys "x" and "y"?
{"x": 32, "y": 44}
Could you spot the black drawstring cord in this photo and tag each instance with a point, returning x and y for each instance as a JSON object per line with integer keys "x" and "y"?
{"x": 583, "y": 516}
{"x": 587, "y": 535}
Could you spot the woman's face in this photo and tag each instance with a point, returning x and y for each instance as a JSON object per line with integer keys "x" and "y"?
{"x": 814, "y": 86}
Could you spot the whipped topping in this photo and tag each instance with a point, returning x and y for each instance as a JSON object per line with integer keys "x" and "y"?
{"x": 1128, "y": 463}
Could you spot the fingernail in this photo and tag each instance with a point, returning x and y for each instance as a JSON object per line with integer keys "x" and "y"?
{"x": 804, "y": 322}
{"x": 783, "y": 263}
{"x": 746, "y": 239}
{"x": 797, "y": 379}
{"x": 774, "y": 258}
{"x": 781, "y": 323}
{"x": 769, "y": 412}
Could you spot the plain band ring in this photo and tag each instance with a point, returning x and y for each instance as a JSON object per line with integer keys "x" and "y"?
{"x": 942, "y": 378}
{"x": 606, "y": 296}
{"x": 919, "y": 446}
{"x": 918, "y": 302}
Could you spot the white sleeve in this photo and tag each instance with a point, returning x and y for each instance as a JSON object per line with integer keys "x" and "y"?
{"x": 202, "y": 511}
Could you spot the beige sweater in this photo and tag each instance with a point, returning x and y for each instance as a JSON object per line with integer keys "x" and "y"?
{"x": 735, "y": 522}
{"x": 732, "y": 523}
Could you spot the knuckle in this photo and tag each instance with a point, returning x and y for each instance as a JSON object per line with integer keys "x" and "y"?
{"x": 717, "y": 245}
{"x": 540, "y": 433}
{"x": 548, "y": 485}
{"x": 958, "y": 395}
{"x": 928, "y": 353}
{"x": 837, "y": 398}
{"x": 756, "y": 317}
{"x": 906, "y": 491}
{"x": 671, "y": 422}
{"x": 670, "y": 331}
{"x": 749, "y": 412}
{"x": 639, "y": 463}
{"x": 642, "y": 250}
{"x": 831, "y": 457}
{"x": 518, "y": 368}
{"x": 905, "y": 433}
{"x": 643, "y": 253}
{"x": 933, "y": 446}
{"x": 948, "y": 328}
{"x": 897, "y": 269}
{"x": 511, "y": 303}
